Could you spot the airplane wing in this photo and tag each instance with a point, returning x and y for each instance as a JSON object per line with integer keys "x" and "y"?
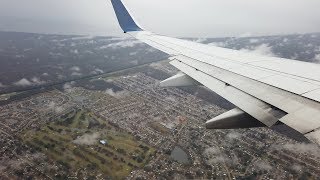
{"x": 267, "y": 91}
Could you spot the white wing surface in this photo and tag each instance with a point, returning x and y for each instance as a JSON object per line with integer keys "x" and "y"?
{"x": 267, "y": 90}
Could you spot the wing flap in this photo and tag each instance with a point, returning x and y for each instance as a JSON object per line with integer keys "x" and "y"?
{"x": 297, "y": 112}
{"x": 255, "y": 107}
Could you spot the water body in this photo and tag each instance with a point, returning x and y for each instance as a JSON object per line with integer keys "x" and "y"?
{"x": 180, "y": 155}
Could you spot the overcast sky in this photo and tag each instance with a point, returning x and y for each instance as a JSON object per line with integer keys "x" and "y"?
{"x": 184, "y": 18}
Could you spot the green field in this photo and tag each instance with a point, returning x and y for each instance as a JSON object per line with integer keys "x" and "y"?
{"x": 73, "y": 142}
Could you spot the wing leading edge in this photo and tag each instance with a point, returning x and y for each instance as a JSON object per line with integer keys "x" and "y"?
{"x": 267, "y": 91}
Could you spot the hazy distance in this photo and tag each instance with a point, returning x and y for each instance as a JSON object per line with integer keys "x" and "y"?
{"x": 192, "y": 18}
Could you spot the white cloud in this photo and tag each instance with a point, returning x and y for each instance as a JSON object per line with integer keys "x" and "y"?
{"x": 37, "y": 81}
{"x": 75, "y": 51}
{"x": 54, "y": 54}
{"x": 76, "y": 74}
{"x": 59, "y": 109}
{"x": 122, "y": 44}
{"x": 67, "y": 87}
{"x": 299, "y": 148}
{"x": 170, "y": 98}
{"x": 120, "y": 38}
{"x": 45, "y": 74}
{"x": 296, "y": 168}
{"x": 150, "y": 50}
{"x": 83, "y": 37}
{"x": 215, "y": 156}
{"x": 60, "y": 76}
{"x": 133, "y": 53}
{"x": 135, "y": 62}
{"x": 88, "y": 52}
{"x": 23, "y": 82}
{"x": 254, "y": 40}
{"x": 262, "y": 165}
{"x": 20, "y": 56}
{"x": 52, "y": 106}
{"x": 93, "y": 72}
{"x": 200, "y": 40}
{"x": 28, "y": 49}
{"x": 263, "y": 49}
{"x": 118, "y": 94}
{"x": 219, "y": 44}
{"x": 211, "y": 151}
{"x": 99, "y": 70}
{"x": 155, "y": 65}
{"x": 109, "y": 80}
{"x": 75, "y": 68}
{"x": 233, "y": 135}
{"x": 219, "y": 159}
{"x": 87, "y": 139}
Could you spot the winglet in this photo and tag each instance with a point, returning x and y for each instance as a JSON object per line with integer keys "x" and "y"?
{"x": 125, "y": 19}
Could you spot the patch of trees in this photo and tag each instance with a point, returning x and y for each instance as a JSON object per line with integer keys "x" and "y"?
{"x": 145, "y": 148}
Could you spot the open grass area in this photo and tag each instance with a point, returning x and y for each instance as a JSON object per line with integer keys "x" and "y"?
{"x": 73, "y": 142}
